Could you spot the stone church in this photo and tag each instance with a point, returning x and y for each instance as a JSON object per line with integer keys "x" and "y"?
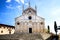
{"x": 29, "y": 21}
{"x": 28, "y": 26}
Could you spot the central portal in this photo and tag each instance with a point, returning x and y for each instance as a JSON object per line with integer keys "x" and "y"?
{"x": 30, "y": 30}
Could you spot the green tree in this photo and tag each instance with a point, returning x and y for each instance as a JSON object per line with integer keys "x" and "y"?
{"x": 55, "y": 27}
{"x": 48, "y": 29}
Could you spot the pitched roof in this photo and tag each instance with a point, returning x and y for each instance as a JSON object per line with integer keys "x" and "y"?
{"x": 4, "y": 25}
{"x": 30, "y": 8}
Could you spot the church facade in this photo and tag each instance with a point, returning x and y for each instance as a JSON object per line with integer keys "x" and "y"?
{"x": 29, "y": 22}
{"x": 28, "y": 26}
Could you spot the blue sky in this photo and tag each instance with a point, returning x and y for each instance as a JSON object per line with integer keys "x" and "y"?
{"x": 48, "y": 9}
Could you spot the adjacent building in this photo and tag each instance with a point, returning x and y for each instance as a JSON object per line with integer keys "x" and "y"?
{"x": 6, "y": 29}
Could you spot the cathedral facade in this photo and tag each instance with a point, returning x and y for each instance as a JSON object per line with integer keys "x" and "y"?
{"x": 28, "y": 26}
{"x": 29, "y": 22}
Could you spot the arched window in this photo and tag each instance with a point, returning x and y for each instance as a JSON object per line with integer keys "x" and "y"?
{"x": 1, "y": 31}
{"x": 9, "y": 30}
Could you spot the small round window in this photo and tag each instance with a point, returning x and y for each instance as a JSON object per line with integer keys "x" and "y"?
{"x": 41, "y": 23}
{"x": 29, "y": 17}
{"x": 18, "y": 23}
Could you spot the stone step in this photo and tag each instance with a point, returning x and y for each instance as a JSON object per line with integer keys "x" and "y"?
{"x": 22, "y": 36}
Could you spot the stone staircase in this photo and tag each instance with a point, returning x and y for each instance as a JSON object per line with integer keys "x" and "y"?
{"x": 22, "y": 36}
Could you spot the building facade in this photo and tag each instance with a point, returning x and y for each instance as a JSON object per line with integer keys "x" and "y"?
{"x": 6, "y": 29}
{"x": 28, "y": 26}
{"x": 29, "y": 22}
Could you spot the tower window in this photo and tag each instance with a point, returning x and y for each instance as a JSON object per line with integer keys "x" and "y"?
{"x": 29, "y": 17}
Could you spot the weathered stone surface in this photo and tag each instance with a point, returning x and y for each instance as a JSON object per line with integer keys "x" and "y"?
{"x": 45, "y": 35}
{"x": 21, "y": 36}
{"x": 29, "y": 19}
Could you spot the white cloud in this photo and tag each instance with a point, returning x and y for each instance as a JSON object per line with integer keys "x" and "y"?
{"x": 22, "y": 1}
{"x": 8, "y": 0}
{"x": 19, "y": 7}
{"x": 10, "y": 7}
{"x": 19, "y": 1}
{"x": 26, "y": 4}
{"x": 16, "y": 1}
{"x": 16, "y": 7}
{"x": 55, "y": 11}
